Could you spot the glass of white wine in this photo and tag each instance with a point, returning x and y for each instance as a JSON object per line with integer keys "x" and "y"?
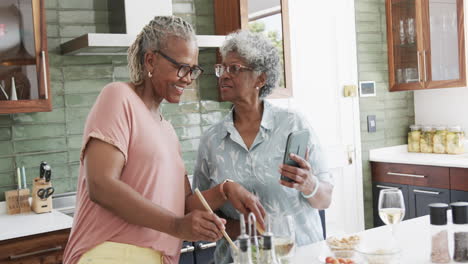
{"x": 284, "y": 237}
{"x": 391, "y": 207}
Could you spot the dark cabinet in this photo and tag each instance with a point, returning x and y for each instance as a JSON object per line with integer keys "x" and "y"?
{"x": 421, "y": 185}
{"x": 200, "y": 252}
{"x": 376, "y": 187}
{"x": 421, "y": 197}
{"x": 458, "y": 196}
{"x": 187, "y": 253}
{"x": 204, "y": 252}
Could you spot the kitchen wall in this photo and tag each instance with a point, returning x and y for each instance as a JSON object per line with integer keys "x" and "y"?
{"x": 394, "y": 111}
{"x": 442, "y": 107}
{"x": 55, "y": 137}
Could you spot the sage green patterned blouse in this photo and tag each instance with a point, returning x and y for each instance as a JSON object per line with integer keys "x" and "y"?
{"x": 222, "y": 155}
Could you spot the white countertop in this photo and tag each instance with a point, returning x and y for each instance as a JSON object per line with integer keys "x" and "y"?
{"x": 400, "y": 154}
{"x": 412, "y": 237}
{"x": 27, "y": 224}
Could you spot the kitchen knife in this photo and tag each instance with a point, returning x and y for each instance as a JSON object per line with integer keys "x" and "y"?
{"x": 18, "y": 174}
{"x": 23, "y": 173}
{"x": 47, "y": 173}
{"x": 42, "y": 170}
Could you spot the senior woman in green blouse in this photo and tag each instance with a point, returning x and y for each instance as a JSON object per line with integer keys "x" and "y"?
{"x": 245, "y": 150}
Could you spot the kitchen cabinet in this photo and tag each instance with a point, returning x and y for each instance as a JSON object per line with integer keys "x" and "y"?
{"x": 200, "y": 252}
{"x": 426, "y": 45}
{"x": 421, "y": 185}
{"x": 458, "y": 196}
{"x": 44, "y": 248}
{"x": 204, "y": 252}
{"x": 24, "y": 60}
{"x": 421, "y": 197}
{"x": 187, "y": 253}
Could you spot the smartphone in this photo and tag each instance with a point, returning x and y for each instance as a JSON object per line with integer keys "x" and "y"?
{"x": 296, "y": 144}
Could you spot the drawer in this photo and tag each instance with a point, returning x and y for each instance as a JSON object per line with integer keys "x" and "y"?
{"x": 418, "y": 175}
{"x": 459, "y": 179}
{"x": 41, "y": 248}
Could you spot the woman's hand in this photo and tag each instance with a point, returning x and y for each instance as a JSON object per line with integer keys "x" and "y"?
{"x": 302, "y": 176}
{"x": 200, "y": 225}
{"x": 244, "y": 201}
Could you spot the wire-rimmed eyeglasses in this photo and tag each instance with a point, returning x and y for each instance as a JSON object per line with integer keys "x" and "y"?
{"x": 233, "y": 69}
{"x": 184, "y": 69}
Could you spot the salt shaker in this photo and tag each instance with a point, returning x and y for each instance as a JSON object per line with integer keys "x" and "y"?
{"x": 460, "y": 230}
{"x": 439, "y": 233}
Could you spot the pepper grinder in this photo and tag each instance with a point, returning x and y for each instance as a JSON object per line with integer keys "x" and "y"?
{"x": 439, "y": 233}
{"x": 460, "y": 230}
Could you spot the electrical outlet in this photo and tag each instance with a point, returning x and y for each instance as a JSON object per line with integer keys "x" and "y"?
{"x": 371, "y": 124}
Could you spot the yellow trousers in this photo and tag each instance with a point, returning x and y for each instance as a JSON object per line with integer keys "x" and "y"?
{"x": 119, "y": 253}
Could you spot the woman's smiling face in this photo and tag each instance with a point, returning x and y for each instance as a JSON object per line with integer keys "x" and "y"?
{"x": 167, "y": 84}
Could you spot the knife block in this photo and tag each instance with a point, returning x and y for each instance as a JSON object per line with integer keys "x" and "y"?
{"x": 17, "y": 201}
{"x": 39, "y": 205}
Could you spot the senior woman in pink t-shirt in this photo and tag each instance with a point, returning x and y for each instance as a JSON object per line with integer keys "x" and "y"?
{"x": 134, "y": 202}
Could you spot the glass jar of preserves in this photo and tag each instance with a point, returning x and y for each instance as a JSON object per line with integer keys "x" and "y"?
{"x": 414, "y": 136}
{"x": 426, "y": 141}
{"x": 439, "y": 140}
{"x": 455, "y": 140}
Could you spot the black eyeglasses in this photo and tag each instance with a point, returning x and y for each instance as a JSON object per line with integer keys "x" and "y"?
{"x": 184, "y": 69}
{"x": 233, "y": 69}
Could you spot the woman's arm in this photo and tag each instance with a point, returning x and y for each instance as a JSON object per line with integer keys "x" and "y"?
{"x": 244, "y": 201}
{"x": 103, "y": 164}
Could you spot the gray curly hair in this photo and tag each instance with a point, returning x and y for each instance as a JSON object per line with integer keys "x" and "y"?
{"x": 153, "y": 37}
{"x": 259, "y": 53}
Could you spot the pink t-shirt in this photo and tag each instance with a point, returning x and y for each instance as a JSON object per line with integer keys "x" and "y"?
{"x": 153, "y": 167}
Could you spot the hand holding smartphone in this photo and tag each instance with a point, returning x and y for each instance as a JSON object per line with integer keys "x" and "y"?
{"x": 297, "y": 144}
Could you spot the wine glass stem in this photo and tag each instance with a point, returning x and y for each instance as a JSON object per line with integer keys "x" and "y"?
{"x": 394, "y": 230}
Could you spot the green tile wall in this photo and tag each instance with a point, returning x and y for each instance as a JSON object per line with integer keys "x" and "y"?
{"x": 28, "y": 139}
{"x": 394, "y": 111}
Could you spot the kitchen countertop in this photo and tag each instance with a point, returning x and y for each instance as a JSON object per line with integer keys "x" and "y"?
{"x": 412, "y": 237}
{"x": 400, "y": 154}
{"x": 27, "y": 224}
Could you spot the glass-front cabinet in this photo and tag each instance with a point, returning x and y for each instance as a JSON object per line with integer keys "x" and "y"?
{"x": 426, "y": 47}
{"x": 24, "y": 77}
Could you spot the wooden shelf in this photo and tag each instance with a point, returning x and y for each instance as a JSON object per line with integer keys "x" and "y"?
{"x": 18, "y": 62}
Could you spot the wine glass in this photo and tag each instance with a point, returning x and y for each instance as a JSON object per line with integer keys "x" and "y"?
{"x": 391, "y": 207}
{"x": 282, "y": 227}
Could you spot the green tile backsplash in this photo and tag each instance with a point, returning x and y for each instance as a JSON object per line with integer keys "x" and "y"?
{"x": 56, "y": 137}
{"x": 394, "y": 111}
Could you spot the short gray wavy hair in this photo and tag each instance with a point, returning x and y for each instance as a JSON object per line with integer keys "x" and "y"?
{"x": 153, "y": 37}
{"x": 259, "y": 53}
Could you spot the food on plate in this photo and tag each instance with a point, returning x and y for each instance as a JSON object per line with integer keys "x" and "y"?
{"x": 380, "y": 256}
{"x": 333, "y": 260}
{"x": 344, "y": 243}
{"x": 343, "y": 247}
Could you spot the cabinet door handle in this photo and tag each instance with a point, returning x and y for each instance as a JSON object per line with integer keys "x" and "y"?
{"x": 419, "y": 68}
{"x": 187, "y": 249}
{"x": 207, "y": 245}
{"x": 44, "y": 68}
{"x": 386, "y": 187}
{"x": 13, "y": 257}
{"x": 426, "y": 192}
{"x": 406, "y": 175}
{"x": 424, "y": 64}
